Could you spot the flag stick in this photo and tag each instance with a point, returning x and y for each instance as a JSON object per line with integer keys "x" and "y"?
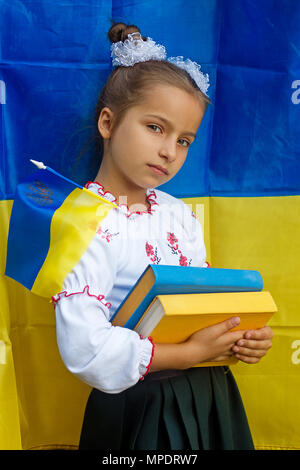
{"x": 41, "y": 166}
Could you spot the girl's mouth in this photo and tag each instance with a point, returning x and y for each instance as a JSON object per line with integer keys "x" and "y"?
{"x": 159, "y": 170}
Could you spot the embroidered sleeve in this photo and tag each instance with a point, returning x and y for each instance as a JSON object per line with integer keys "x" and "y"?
{"x": 106, "y": 357}
{"x": 145, "y": 362}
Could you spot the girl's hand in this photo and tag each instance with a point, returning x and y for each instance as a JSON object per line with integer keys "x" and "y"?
{"x": 213, "y": 343}
{"x": 254, "y": 345}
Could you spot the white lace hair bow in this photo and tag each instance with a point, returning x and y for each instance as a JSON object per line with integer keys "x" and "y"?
{"x": 134, "y": 49}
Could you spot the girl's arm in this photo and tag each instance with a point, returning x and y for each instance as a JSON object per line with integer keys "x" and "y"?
{"x": 106, "y": 357}
{"x": 214, "y": 343}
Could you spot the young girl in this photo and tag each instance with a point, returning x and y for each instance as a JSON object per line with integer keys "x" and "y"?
{"x": 146, "y": 395}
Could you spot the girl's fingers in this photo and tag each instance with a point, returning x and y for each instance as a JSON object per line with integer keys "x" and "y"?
{"x": 254, "y": 344}
{"x": 248, "y": 359}
{"x": 261, "y": 334}
{"x": 239, "y": 351}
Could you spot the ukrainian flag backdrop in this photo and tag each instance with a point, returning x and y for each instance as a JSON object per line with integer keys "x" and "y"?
{"x": 242, "y": 178}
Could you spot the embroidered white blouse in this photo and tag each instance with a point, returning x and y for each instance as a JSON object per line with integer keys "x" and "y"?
{"x": 106, "y": 357}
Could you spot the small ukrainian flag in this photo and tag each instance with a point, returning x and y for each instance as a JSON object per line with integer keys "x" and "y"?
{"x": 52, "y": 223}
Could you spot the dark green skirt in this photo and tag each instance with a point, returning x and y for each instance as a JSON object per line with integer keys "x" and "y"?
{"x": 199, "y": 408}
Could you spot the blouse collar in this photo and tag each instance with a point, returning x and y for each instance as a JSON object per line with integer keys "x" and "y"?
{"x": 151, "y": 197}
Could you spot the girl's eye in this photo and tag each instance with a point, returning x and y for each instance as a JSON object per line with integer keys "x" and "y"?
{"x": 154, "y": 127}
{"x": 157, "y": 129}
{"x": 185, "y": 143}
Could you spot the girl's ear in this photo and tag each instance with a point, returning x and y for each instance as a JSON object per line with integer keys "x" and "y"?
{"x": 105, "y": 122}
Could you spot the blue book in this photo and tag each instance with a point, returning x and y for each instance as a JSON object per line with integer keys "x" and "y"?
{"x": 164, "y": 279}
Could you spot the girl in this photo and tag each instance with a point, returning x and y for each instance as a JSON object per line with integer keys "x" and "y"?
{"x": 146, "y": 395}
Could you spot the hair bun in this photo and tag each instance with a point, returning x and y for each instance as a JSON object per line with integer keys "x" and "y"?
{"x": 119, "y": 32}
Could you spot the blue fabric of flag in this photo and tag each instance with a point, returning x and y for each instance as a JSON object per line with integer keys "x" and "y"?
{"x": 37, "y": 198}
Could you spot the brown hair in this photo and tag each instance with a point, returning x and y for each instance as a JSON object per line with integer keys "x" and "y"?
{"x": 126, "y": 86}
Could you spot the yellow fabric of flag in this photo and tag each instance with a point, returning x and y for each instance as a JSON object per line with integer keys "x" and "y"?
{"x": 42, "y": 404}
{"x": 76, "y": 220}
{"x": 264, "y": 232}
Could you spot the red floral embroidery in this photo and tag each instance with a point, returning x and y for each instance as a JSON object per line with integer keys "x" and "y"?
{"x": 152, "y": 253}
{"x": 57, "y": 297}
{"x": 173, "y": 244}
{"x": 183, "y": 260}
{"x": 106, "y": 235}
{"x": 149, "y": 249}
{"x": 171, "y": 238}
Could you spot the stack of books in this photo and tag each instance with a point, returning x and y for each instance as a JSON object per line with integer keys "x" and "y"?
{"x": 170, "y": 303}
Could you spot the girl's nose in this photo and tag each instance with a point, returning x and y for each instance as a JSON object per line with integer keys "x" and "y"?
{"x": 168, "y": 150}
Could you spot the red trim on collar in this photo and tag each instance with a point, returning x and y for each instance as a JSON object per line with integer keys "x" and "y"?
{"x": 101, "y": 191}
{"x": 151, "y": 199}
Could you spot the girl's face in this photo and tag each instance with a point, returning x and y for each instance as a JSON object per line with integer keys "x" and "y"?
{"x": 150, "y": 144}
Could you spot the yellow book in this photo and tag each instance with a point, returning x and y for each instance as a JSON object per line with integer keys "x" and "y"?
{"x": 173, "y": 318}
